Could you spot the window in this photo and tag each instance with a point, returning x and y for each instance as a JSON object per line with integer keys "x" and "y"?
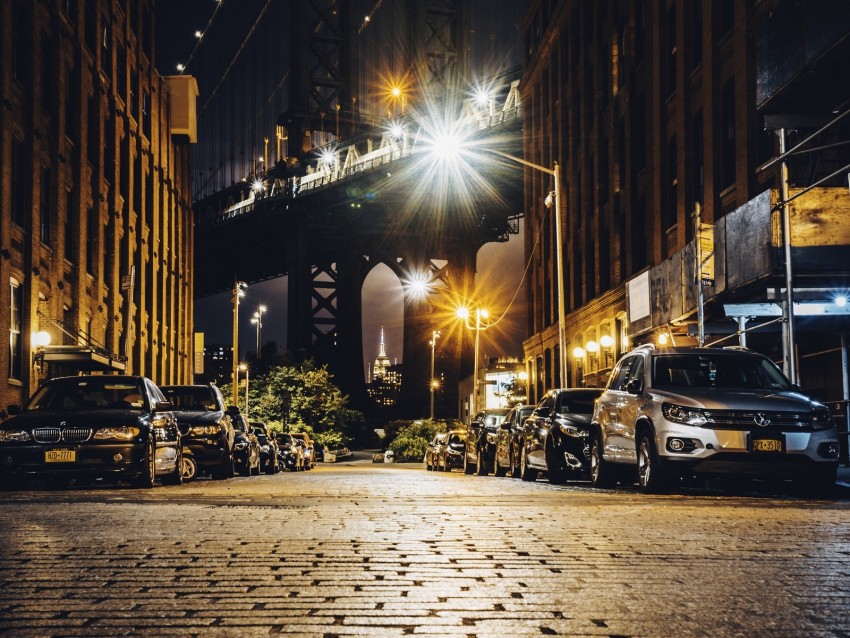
{"x": 727, "y": 132}
{"x": 69, "y": 227}
{"x": 69, "y": 7}
{"x": 672, "y": 183}
{"x": 698, "y": 162}
{"x": 92, "y": 230}
{"x": 16, "y": 345}
{"x": 727, "y": 17}
{"x": 91, "y": 25}
{"x": 121, "y": 71}
{"x": 93, "y": 130}
{"x": 19, "y": 42}
{"x": 696, "y": 24}
{"x": 47, "y": 81}
{"x": 105, "y": 48}
{"x": 671, "y": 50}
{"x": 19, "y": 182}
{"x": 44, "y": 207}
{"x": 640, "y": 31}
{"x": 146, "y": 114}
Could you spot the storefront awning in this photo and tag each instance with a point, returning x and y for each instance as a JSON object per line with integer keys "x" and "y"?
{"x": 82, "y": 358}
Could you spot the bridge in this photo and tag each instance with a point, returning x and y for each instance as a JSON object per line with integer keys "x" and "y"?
{"x": 396, "y": 193}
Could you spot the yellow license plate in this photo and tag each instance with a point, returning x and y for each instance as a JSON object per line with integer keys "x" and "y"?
{"x": 60, "y": 456}
{"x": 767, "y": 445}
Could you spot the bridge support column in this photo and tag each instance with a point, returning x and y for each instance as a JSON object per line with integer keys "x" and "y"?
{"x": 347, "y": 362}
{"x": 299, "y": 339}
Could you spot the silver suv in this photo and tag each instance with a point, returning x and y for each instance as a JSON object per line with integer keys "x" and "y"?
{"x": 676, "y": 412}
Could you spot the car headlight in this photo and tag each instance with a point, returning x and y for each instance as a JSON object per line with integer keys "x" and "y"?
{"x": 574, "y": 432}
{"x": 822, "y": 420}
{"x": 204, "y": 430}
{"x": 123, "y": 433}
{"x": 14, "y": 435}
{"x": 683, "y": 414}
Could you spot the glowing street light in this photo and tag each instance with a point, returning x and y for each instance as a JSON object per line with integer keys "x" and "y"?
{"x": 257, "y": 320}
{"x": 480, "y": 313}
{"x": 238, "y": 291}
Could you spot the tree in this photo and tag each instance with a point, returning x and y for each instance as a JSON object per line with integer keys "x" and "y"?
{"x": 302, "y": 399}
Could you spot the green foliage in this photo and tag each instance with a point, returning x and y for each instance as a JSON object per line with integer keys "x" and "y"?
{"x": 408, "y": 449}
{"x": 410, "y": 439}
{"x": 300, "y": 399}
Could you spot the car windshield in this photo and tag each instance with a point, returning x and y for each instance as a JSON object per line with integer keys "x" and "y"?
{"x": 191, "y": 399}
{"x": 578, "y": 402}
{"x": 456, "y": 439}
{"x": 89, "y": 393}
{"x": 284, "y": 438}
{"x": 707, "y": 370}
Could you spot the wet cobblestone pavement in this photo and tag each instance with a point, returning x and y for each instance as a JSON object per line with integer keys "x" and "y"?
{"x": 359, "y": 549}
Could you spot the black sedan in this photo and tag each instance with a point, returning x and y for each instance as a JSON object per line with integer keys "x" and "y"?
{"x": 246, "y": 447}
{"x": 205, "y": 425}
{"x": 93, "y": 427}
{"x": 556, "y": 435}
{"x": 509, "y": 441}
{"x": 269, "y": 458}
{"x": 291, "y": 454}
{"x": 452, "y": 454}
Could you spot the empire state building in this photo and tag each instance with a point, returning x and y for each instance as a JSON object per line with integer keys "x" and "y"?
{"x": 382, "y": 361}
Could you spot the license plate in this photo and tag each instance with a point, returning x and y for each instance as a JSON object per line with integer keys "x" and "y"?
{"x": 768, "y": 445}
{"x": 60, "y": 456}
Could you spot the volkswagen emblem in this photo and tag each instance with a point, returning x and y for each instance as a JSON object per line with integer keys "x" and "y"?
{"x": 761, "y": 419}
{"x": 62, "y": 424}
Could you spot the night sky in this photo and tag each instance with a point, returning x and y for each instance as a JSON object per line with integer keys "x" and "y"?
{"x": 500, "y": 266}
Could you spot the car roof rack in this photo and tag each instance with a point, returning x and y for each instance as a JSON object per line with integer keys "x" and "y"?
{"x": 645, "y": 346}
{"x": 741, "y": 348}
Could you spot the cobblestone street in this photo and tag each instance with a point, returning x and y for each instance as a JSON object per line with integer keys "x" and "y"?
{"x": 362, "y": 549}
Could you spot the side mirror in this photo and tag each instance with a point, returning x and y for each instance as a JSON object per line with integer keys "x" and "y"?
{"x": 542, "y": 412}
{"x": 232, "y": 410}
{"x": 634, "y": 386}
{"x": 164, "y": 406}
{"x": 13, "y": 409}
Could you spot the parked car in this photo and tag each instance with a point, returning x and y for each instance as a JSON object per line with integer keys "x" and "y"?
{"x": 206, "y": 426}
{"x": 432, "y": 452}
{"x": 291, "y": 454}
{"x": 93, "y": 426}
{"x": 481, "y": 440}
{"x": 309, "y": 455}
{"x": 269, "y": 462}
{"x": 318, "y": 452}
{"x": 508, "y": 441}
{"x": 246, "y": 447}
{"x": 453, "y": 452}
{"x": 556, "y": 437}
{"x": 674, "y": 412}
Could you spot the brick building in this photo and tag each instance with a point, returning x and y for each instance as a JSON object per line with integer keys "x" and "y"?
{"x": 651, "y": 107}
{"x": 96, "y": 237}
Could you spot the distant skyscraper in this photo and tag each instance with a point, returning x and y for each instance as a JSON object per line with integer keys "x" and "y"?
{"x": 382, "y": 362}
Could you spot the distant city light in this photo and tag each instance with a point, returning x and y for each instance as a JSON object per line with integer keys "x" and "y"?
{"x": 841, "y": 301}
{"x": 180, "y": 67}
{"x": 198, "y": 34}
{"x": 257, "y": 186}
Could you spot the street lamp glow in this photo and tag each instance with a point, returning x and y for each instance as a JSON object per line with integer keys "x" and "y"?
{"x": 396, "y": 91}
{"x": 592, "y": 346}
{"x": 257, "y": 186}
{"x": 198, "y": 34}
{"x": 396, "y": 131}
{"x": 418, "y": 284}
{"x": 578, "y": 352}
{"x": 482, "y": 97}
{"x": 238, "y": 291}
{"x": 841, "y": 301}
{"x": 462, "y": 313}
{"x": 606, "y": 341}
{"x": 40, "y": 339}
{"x": 480, "y": 313}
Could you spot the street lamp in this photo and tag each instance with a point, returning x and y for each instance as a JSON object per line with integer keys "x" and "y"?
{"x": 480, "y": 313}
{"x": 257, "y": 320}
{"x": 553, "y": 198}
{"x": 244, "y": 368}
{"x": 435, "y": 334}
{"x": 238, "y": 291}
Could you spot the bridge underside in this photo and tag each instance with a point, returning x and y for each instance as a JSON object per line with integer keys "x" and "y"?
{"x": 328, "y": 241}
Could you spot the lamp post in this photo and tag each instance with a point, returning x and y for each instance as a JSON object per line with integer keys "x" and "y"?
{"x": 480, "y": 313}
{"x": 435, "y": 334}
{"x": 559, "y": 249}
{"x": 244, "y": 368}
{"x": 257, "y": 320}
{"x": 238, "y": 291}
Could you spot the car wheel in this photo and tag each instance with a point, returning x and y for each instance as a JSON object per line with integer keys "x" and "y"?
{"x": 176, "y": 477}
{"x": 514, "y": 463}
{"x": 555, "y": 467}
{"x": 652, "y": 478}
{"x": 225, "y": 469}
{"x": 601, "y": 472}
{"x": 255, "y": 470}
{"x": 146, "y": 479}
{"x": 498, "y": 469}
{"x": 189, "y": 468}
{"x": 525, "y": 472}
{"x": 468, "y": 468}
{"x": 481, "y": 464}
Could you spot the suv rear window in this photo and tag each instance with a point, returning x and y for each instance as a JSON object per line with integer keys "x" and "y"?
{"x": 717, "y": 371}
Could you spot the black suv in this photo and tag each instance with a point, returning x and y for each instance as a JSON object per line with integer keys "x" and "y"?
{"x": 206, "y": 426}
{"x": 482, "y": 436}
{"x": 556, "y": 437}
{"x": 673, "y": 412}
